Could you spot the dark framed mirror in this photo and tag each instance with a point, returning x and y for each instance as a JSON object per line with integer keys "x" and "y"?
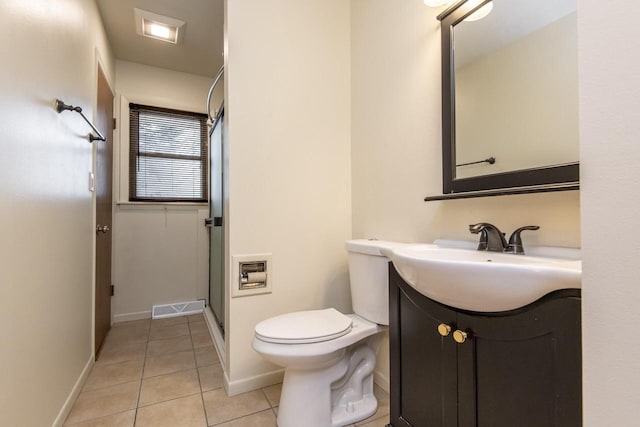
{"x": 509, "y": 97}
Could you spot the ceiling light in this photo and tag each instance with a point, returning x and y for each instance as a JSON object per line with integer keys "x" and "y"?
{"x": 159, "y": 27}
{"x": 157, "y": 30}
{"x": 478, "y": 14}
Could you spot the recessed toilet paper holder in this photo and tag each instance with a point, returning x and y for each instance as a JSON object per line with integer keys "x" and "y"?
{"x": 253, "y": 275}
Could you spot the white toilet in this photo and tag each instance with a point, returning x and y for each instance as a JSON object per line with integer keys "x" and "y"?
{"x": 330, "y": 357}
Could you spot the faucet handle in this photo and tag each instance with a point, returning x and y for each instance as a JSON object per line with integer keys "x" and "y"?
{"x": 491, "y": 238}
{"x": 515, "y": 241}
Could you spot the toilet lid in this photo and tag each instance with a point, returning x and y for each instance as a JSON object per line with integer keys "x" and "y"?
{"x": 304, "y": 327}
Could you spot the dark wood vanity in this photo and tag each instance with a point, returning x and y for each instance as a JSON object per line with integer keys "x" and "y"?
{"x": 455, "y": 368}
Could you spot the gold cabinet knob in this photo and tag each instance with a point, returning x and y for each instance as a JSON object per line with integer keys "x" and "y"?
{"x": 459, "y": 336}
{"x": 444, "y": 330}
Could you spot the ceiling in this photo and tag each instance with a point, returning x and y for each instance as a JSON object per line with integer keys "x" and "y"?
{"x": 201, "y": 50}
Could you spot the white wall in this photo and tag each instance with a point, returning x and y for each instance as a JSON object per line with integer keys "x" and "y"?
{"x": 161, "y": 252}
{"x": 396, "y": 141}
{"x": 609, "y": 42}
{"x": 288, "y": 130}
{"x": 49, "y": 50}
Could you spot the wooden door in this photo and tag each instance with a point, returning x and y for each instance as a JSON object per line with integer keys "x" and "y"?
{"x": 103, "y": 180}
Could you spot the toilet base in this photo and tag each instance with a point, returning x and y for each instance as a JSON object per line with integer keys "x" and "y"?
{"x": 337, "y": 395}
{"x": 360, "y": 410}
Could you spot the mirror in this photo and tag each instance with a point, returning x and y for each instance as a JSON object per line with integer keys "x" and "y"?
{"x": 510, "y": 96}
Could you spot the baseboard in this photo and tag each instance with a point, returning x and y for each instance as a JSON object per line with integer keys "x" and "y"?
{"x": 381, "y": 380}
{"x": 73, "y": 395}
{"x": 253, "y": 383}
{"x": 216, "y": 335}
{"x": 219, "y": 344}
{"x": 125, "y": 317}
{"x": 225, "y": 381}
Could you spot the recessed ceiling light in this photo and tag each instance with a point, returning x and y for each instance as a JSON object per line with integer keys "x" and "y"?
{"x": 157, "y": 30}
{"x": 159, "y": 27}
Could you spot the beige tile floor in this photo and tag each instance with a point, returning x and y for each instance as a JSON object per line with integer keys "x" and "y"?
{"x": 165, "y": 372}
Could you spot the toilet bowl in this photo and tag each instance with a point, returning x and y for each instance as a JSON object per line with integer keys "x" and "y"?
{"x": 330, "y": 357}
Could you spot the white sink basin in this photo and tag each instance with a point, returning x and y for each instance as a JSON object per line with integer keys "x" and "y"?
{"x": 480, "y": 280}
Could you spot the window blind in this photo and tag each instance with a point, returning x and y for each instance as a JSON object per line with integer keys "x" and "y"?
{"x": 167, "y": 155}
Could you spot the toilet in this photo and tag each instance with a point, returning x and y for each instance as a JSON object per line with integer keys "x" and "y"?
{"x": 330, "y": 357}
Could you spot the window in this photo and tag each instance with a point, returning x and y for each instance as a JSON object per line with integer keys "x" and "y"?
{"x": 167, "y": 155}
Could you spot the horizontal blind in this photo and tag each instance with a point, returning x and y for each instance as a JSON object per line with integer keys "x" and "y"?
{"x": 167, "y": 155}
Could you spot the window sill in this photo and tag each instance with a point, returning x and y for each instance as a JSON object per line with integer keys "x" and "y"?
{"x": 128, "y": 204}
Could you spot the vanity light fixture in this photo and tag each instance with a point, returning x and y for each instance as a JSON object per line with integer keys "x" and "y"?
{"x": 159, "y": 27}
{"x": 437, "y": 3}
{"x": 475, "y": 16}
{"x": 480, "y": 13}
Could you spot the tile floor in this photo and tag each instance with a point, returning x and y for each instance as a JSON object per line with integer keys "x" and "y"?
{"x": 166, "y": 372}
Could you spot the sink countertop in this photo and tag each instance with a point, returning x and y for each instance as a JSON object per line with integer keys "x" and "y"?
{"x": 455, "y": 274}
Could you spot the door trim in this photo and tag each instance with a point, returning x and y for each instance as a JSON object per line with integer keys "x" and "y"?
{"x": 99, "y": 63}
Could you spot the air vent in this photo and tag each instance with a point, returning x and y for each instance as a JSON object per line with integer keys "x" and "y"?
{"x": 177, "y": 309}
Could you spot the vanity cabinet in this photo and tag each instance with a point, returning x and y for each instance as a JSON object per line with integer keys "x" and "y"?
{"x": 517, "y": 368}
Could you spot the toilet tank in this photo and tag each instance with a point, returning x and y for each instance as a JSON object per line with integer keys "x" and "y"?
{"x": 369, "y": 277}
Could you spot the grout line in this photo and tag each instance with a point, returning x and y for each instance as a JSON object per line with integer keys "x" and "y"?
{"x": 144, "y": 365}
{"x": 111, "y": 385}
{"x": 98, "y": 418}
{"x": 273, "y": 408}
{"x": 242, "y": 416}
{"x": 206, "y": 366}
{"x": 170, "y": 373}
{"x": 168, "y": 338}
{"x": 266, "y": 397}
{"x": 153, "y": 356}
{"x": 204, "y": 408}
{"x": 119, "y": 361}
{"x": 170, "y": 400}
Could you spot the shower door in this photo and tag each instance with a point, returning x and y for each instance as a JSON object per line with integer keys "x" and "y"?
{"x": 216, "y": 225}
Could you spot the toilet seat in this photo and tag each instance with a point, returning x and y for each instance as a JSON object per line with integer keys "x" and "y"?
{"x": 304, "y": 327}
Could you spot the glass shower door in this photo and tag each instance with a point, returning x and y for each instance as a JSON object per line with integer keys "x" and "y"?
{"x": 216, "y": 225}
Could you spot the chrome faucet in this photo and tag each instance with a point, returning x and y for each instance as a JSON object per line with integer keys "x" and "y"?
{"x": 491, "y": 238}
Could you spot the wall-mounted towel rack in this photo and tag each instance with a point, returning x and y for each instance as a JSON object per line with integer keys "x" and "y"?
{"x": 490, "y": 160}
{"x": 61, "y": 106}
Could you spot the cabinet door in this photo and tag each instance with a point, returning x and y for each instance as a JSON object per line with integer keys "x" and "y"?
{"x": 523, "y": 369}
{"x": 423, "y": 363}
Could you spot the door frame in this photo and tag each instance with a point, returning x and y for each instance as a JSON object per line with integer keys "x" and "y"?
{"x": 99, "y": 64}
